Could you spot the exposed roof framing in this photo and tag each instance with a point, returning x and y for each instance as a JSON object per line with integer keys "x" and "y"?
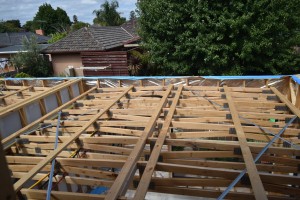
{"x": 174, "y": 138}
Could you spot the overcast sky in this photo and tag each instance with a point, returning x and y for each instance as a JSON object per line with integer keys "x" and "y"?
{"x": 25, "y": 10}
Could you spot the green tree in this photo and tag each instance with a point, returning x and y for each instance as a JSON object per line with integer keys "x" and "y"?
{"x": 10, "y": 26}
{"x": 50, "y": 20}
{"x": 75, "y": 19}
{"x": 79, "y": 25}
{"x": 132, "y": 15}
{"x": 108, "y": 15}
{"x": 57, "y": 36}
{"x": 30, "y": 61}
{"x": 197, "y": 37}
{"x": 29, "y": 26}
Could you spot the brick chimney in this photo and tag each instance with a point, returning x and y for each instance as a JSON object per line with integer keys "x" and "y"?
{"x": 39, "y": 32}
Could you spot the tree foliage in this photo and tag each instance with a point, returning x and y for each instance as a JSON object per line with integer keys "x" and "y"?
{"x": 10, "y": 26}
{"x": 108, "y": 15}
{"x": 78, "y": 24}
{"x": 51, "y": 20}
{"x": 221, "y": 37}
{"x": 57, "y": 36}
{"x": 30, "y": 61}
{"x": 132, "y": 15}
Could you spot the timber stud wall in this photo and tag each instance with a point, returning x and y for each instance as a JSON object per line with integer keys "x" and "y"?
{"x": 166, "y": 136}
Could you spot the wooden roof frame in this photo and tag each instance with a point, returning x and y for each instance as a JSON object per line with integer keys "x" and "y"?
{"x": 200, "y": 136}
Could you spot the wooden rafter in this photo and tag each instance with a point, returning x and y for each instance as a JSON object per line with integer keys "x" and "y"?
{"x": 18, "y": 185}
{"x": 129, "y": 168}
{"x": 255, "y": 180}
{"x": 184, "y": 137}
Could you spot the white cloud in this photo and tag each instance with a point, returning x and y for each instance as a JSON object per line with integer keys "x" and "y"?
{"x": 88, "y": 1}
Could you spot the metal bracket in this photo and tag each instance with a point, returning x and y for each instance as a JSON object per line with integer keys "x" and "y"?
{"x": 296, "y": 121}
{"x": 96, "y": 126}
{"x": 228, "y": 116}
{"x": 64, "y": 114}
{"x": 78, "y": 142}
{"x": 267, "y": 92}
{"x": 22, "y": 141}
{"x": 270, "y": 98}
{"x": 232, "y": 131}
{"x": 223, "y": 96}
{"x": 281, "y": 108}
{"x": 237, "y": 151}
{"x": 76, "y": 105}
{"x": 286, "y": 144}
{"x": 88, "y": 97}
{"x": 225, "y": 105}
{"x": 38, "y": 150}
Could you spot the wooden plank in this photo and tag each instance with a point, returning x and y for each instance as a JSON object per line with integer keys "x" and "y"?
{"x": 255, "y": 180}
{"x": 13, "y": 108}
{"x": 36, "y": 122}
{"x": 146, "y": 177}
{"x": 18, "y": 185}
{"x": 286, "y": 101}
{"x": 127, "y": 171}
{"x": 41, "y": 195}
{"x": 6, "y": 188}
{"x": 15, "y": 92}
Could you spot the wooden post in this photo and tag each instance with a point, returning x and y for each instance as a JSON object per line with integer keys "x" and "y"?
{"x": 44, "y": 83}
{"x": 267, "y": 83}
{"x": 187, "y": 81}
{"x": 98, "y": 83}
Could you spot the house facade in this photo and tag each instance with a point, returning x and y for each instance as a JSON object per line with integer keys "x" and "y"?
{"x": 93, "y": 51}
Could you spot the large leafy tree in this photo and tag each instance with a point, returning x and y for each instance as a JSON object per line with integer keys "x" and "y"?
{"x": 108, "y": 15}
{"x": 10, "y": 26}
{"x": 50, "y": 20}
{"x": 221, "y": 37}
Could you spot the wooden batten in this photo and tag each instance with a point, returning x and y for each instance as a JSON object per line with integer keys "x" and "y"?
{"x": 172, "y": 136}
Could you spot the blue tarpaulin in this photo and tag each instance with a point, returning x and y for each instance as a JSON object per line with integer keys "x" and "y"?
{"x": 99, "y": 190}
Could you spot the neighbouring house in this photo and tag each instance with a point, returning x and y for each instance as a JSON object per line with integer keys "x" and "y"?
{"x": 94, "y": 51}
{"x": 12, "y": 43}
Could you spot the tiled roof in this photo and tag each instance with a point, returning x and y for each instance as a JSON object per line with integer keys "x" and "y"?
{"x": 17, "y": 48}
{"x": 93, "y": 38}
{"x": 131, "y": 27}
{"x": 11, "y": 39}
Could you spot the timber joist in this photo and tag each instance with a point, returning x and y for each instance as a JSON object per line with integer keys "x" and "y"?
{"x": 173, "y": 139}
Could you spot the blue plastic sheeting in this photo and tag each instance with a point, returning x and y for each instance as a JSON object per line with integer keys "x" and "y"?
{"x": 244, "y": 77}
{"x": 165, "y": 77}
{"x": 296, "y": 79}
{"x": 99, "y": 190}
